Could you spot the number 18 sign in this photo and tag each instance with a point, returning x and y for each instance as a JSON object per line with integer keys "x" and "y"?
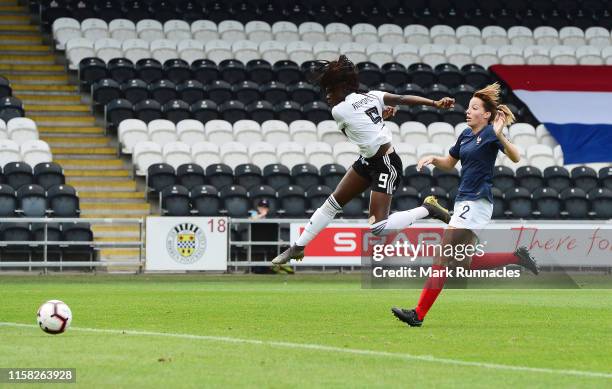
{"x": 186, "y": 243}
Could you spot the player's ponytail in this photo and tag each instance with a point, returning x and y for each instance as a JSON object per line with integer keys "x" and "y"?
{"x": 490, "y": 96}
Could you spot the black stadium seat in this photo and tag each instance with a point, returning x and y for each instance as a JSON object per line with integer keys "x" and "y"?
{"x": 232, "y": 111}
{"x": 302, "y": 92}
{"x": 355, "y": 207}
{"x": 317, "y": 195}
{"x": 8, "y": 201}
{"x": 91, "y": 69}
{"x": 48, "y": 174}
{"x": 605, "y": 177}
{"x": 190, "y": 175}
{"x": 276, "y": 175}
{"x": 332, "y": 174}
{"x": 32, "y": 200}
{"x": 235, "y": 200}
{"x": 292, "y": 201}
{"x": 498, "y": 203}
{"x": 232, "y": 71}
{"x": 601, "y": 202}
{"x": 317, "y": 111}
{"x": 418, "y": 179}
{"x": 260, "y": 111}
{"x": 204, "y": 110}
{"x": 191, "y": 91}
{"x": 264, "y": 192}
{"x": 259, "y": 71}
{"x": 205, "y": 200}
{"x": 436, "y": 91}
{"x": 219, "y": 91}
{"x": 275, "y": 92}
{"x": 177, "y": 70}
{"x": 287, "y": 72}
{"x": 135, "y": 90}
{"x": 518, "y": 202}
{"x": 547, "y": 202}
{"x": 557, "y": 177}
{"x": 421, "y": 74}
{"x": 503, "y": 178}
{"x": 369, "y": 73}
{"x": 462, "y": 94}
{"x": 246, "y": 91}
{"x": 160, "y": 176}
{"x": 475, "y": 75}
{"x": 16, "y": 232}
{"x": 121, "y": 69}
{"x": 219, "y": 175}
{"x": 118, "y": 110}
{"x": 105, "y": 90}
{"x": 176, "y": 110}
{"x": 305, "y": 175}
{"x": 18, "y": 174}
{"x": 77, "y": 232}
{"x": 205, "y": 71}
{"x": 394, "y": 73}
{"x": 529, "y": 177}
{"x": 162, "y": 91}
{"x": 148, "y": 110}
{"x": 440, "y": 193}
{"x": 447, "y": 179}
{"x": 175, "y": 201}
{"x": 406, "y": 198}
{"x": 426, "y": 114}
{"x": 53, "y": 233}
{"x": 454, "y": 115}
{"x": 149, "y": 70}
{"x": 10, "y": 107}
{"x": 584, "y": 177}
{"x": 575, "y": 203}
{"x": 248, "y": 175}
{"x": 63, "y": 201}
{"x": 288, "y": 111}
{"x": 448, "y": 75}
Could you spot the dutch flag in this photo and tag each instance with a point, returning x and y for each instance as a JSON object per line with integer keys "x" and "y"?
{"x": 573, "y": 102}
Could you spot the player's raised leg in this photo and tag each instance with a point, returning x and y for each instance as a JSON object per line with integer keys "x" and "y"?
{"x": 352, "y": 184}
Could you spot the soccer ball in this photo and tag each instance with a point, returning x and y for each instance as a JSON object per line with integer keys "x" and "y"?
{"x": 54, "y": 317}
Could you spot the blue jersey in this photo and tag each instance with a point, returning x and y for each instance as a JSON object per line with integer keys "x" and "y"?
{"x": 477, "y": 153}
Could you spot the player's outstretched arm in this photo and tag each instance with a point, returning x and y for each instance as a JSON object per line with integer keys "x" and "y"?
{"x": 444, "y": 163}
{"x": 509, "y": 148}
{"x": 393, "y": 100}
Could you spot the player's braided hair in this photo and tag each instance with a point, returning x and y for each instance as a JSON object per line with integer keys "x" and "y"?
{"x": 340, "y": 73}
{"x": 490, "y": 97}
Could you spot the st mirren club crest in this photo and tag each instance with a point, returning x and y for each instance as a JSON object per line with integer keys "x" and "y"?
{"x": 186, "y": 243}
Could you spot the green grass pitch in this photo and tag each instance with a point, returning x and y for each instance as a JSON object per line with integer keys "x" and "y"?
{"x": 305, "y": 331}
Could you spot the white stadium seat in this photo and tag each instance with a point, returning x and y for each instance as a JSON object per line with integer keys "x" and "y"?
{"x": 345, "y": 153}
{"x": 150, "y": 30}
{"x": 544, "y": 137}
{"x": 338, "y": 33}
{"x": 163, "y": 50}
{"x": 204, "y": 30}
{"x": 511, "y": 55}
{"x": 245, "y": 51}
{"x": 485, "y": 55}
{"x": 319, "y": 153}
{"x": 546, "y": 36}
{"x": 205, "y": 153}
{"x": 441, "y": 34}
{"x": 391, "y": 34}
{"x": 606, "y": 55}
{"x": 290, "y": 154}
{"x": 540, "y": 156}
{"x": 458, "y": 55}
{"x": 77, "y": 49}
{"x": 3, "y": 132}
{"x": 107, "y": 49}
{"x": 258, "y": 31}
{"x": 94, "y": 28}
{"x": 231, "y": 30}
{"x": 275, "y": 131}
{"x": 234, "y": 154}
{"x": 406, "y": 152}
{"x": 379, "y": 53}
{"x": 285, "y": 32}
{"x": 64, "y": 29}
{"x": 572, "y": 36}
{"x": 190, "y": 131}
{"x": 219, "y": 131}
{"x": 303, "y": 131}
{"x": 299, "y": 51}
{"x": 312, "y": 32}
{"x": 9, "y": 152}
{"x": 162, "y": 131}
{"x": 326, "y": 51}
{"x": 247, "y": 131}
{"x": 356, "y": 52}
{"x": 416, "y": 34}
{"x": 262, "y": 154}
{"x": 131, "y": 132}
{"x": 272, "y": 51}
{"x": 558, "y": 154}
{"x": 328, "y": 132}
{"x": 190, "y": 50}
{"x": 122, "y": 29}
{"x": 441, "y": 133}
{"x": 469, "y": 36}
{"x": 523, "y": 134}
{"x": 589, "y": 55}
{"x": 429, "y": 149}
{"x": 406, "y": 53}
{"x": 414, "y": 133}
{"x": 135, "y": 49}
{"x": 494, "y": 36}
{"x": 395, "y": 131}
{"x": 217, "y": 50}
{"x": 146, "y": 154}
{"x": 597, "y": 36}
{"x": 35, "y": 151}
{"x": 563, "y": 55}
{"x": 459, "y": 128}
{"x": 432, "y": 54}
{"x": 177, "y": 30}
{"x": 176, "y": 154}
{"x": 21, "y": 130}
{"x": 537, "y": 55}
{"x": 364, "y": 33}
{"x": 520, "y": 36}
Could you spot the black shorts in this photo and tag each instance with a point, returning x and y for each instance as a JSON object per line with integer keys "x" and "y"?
{"x": 384, "y": 173}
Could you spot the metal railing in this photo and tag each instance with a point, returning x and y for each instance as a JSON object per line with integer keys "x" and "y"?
{"x": 95, "y": 246}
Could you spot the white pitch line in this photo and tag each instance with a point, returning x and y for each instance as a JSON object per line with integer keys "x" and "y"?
{"x": 333, "y": 349}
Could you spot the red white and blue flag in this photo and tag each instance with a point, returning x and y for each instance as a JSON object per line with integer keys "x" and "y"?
{"x": 573, "y": 102}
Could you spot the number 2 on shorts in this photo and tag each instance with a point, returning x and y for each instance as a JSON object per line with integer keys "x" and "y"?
{"x": 466, "y": 209}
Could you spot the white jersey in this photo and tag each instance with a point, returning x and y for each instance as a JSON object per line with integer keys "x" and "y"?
{"x": 359, "y": 117}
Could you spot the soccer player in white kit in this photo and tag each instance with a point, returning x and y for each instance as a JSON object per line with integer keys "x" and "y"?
{"x": 360, "y": 116}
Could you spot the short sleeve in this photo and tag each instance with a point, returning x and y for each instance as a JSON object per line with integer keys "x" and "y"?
{"x": 454, "y": 150}
{"x": 380, "y": 95}
{"x": 338, "y": 118}
{"x": 497, "y": 144}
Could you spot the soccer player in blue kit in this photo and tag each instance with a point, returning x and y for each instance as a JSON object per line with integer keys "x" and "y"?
{"x": 476, "y": 147}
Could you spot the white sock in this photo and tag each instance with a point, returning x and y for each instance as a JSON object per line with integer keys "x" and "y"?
{"x": 401, "y": 220}
{"x": 319, "y": 220}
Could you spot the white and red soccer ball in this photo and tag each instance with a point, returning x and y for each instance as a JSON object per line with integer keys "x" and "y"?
{"x": 54, "y": 317}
